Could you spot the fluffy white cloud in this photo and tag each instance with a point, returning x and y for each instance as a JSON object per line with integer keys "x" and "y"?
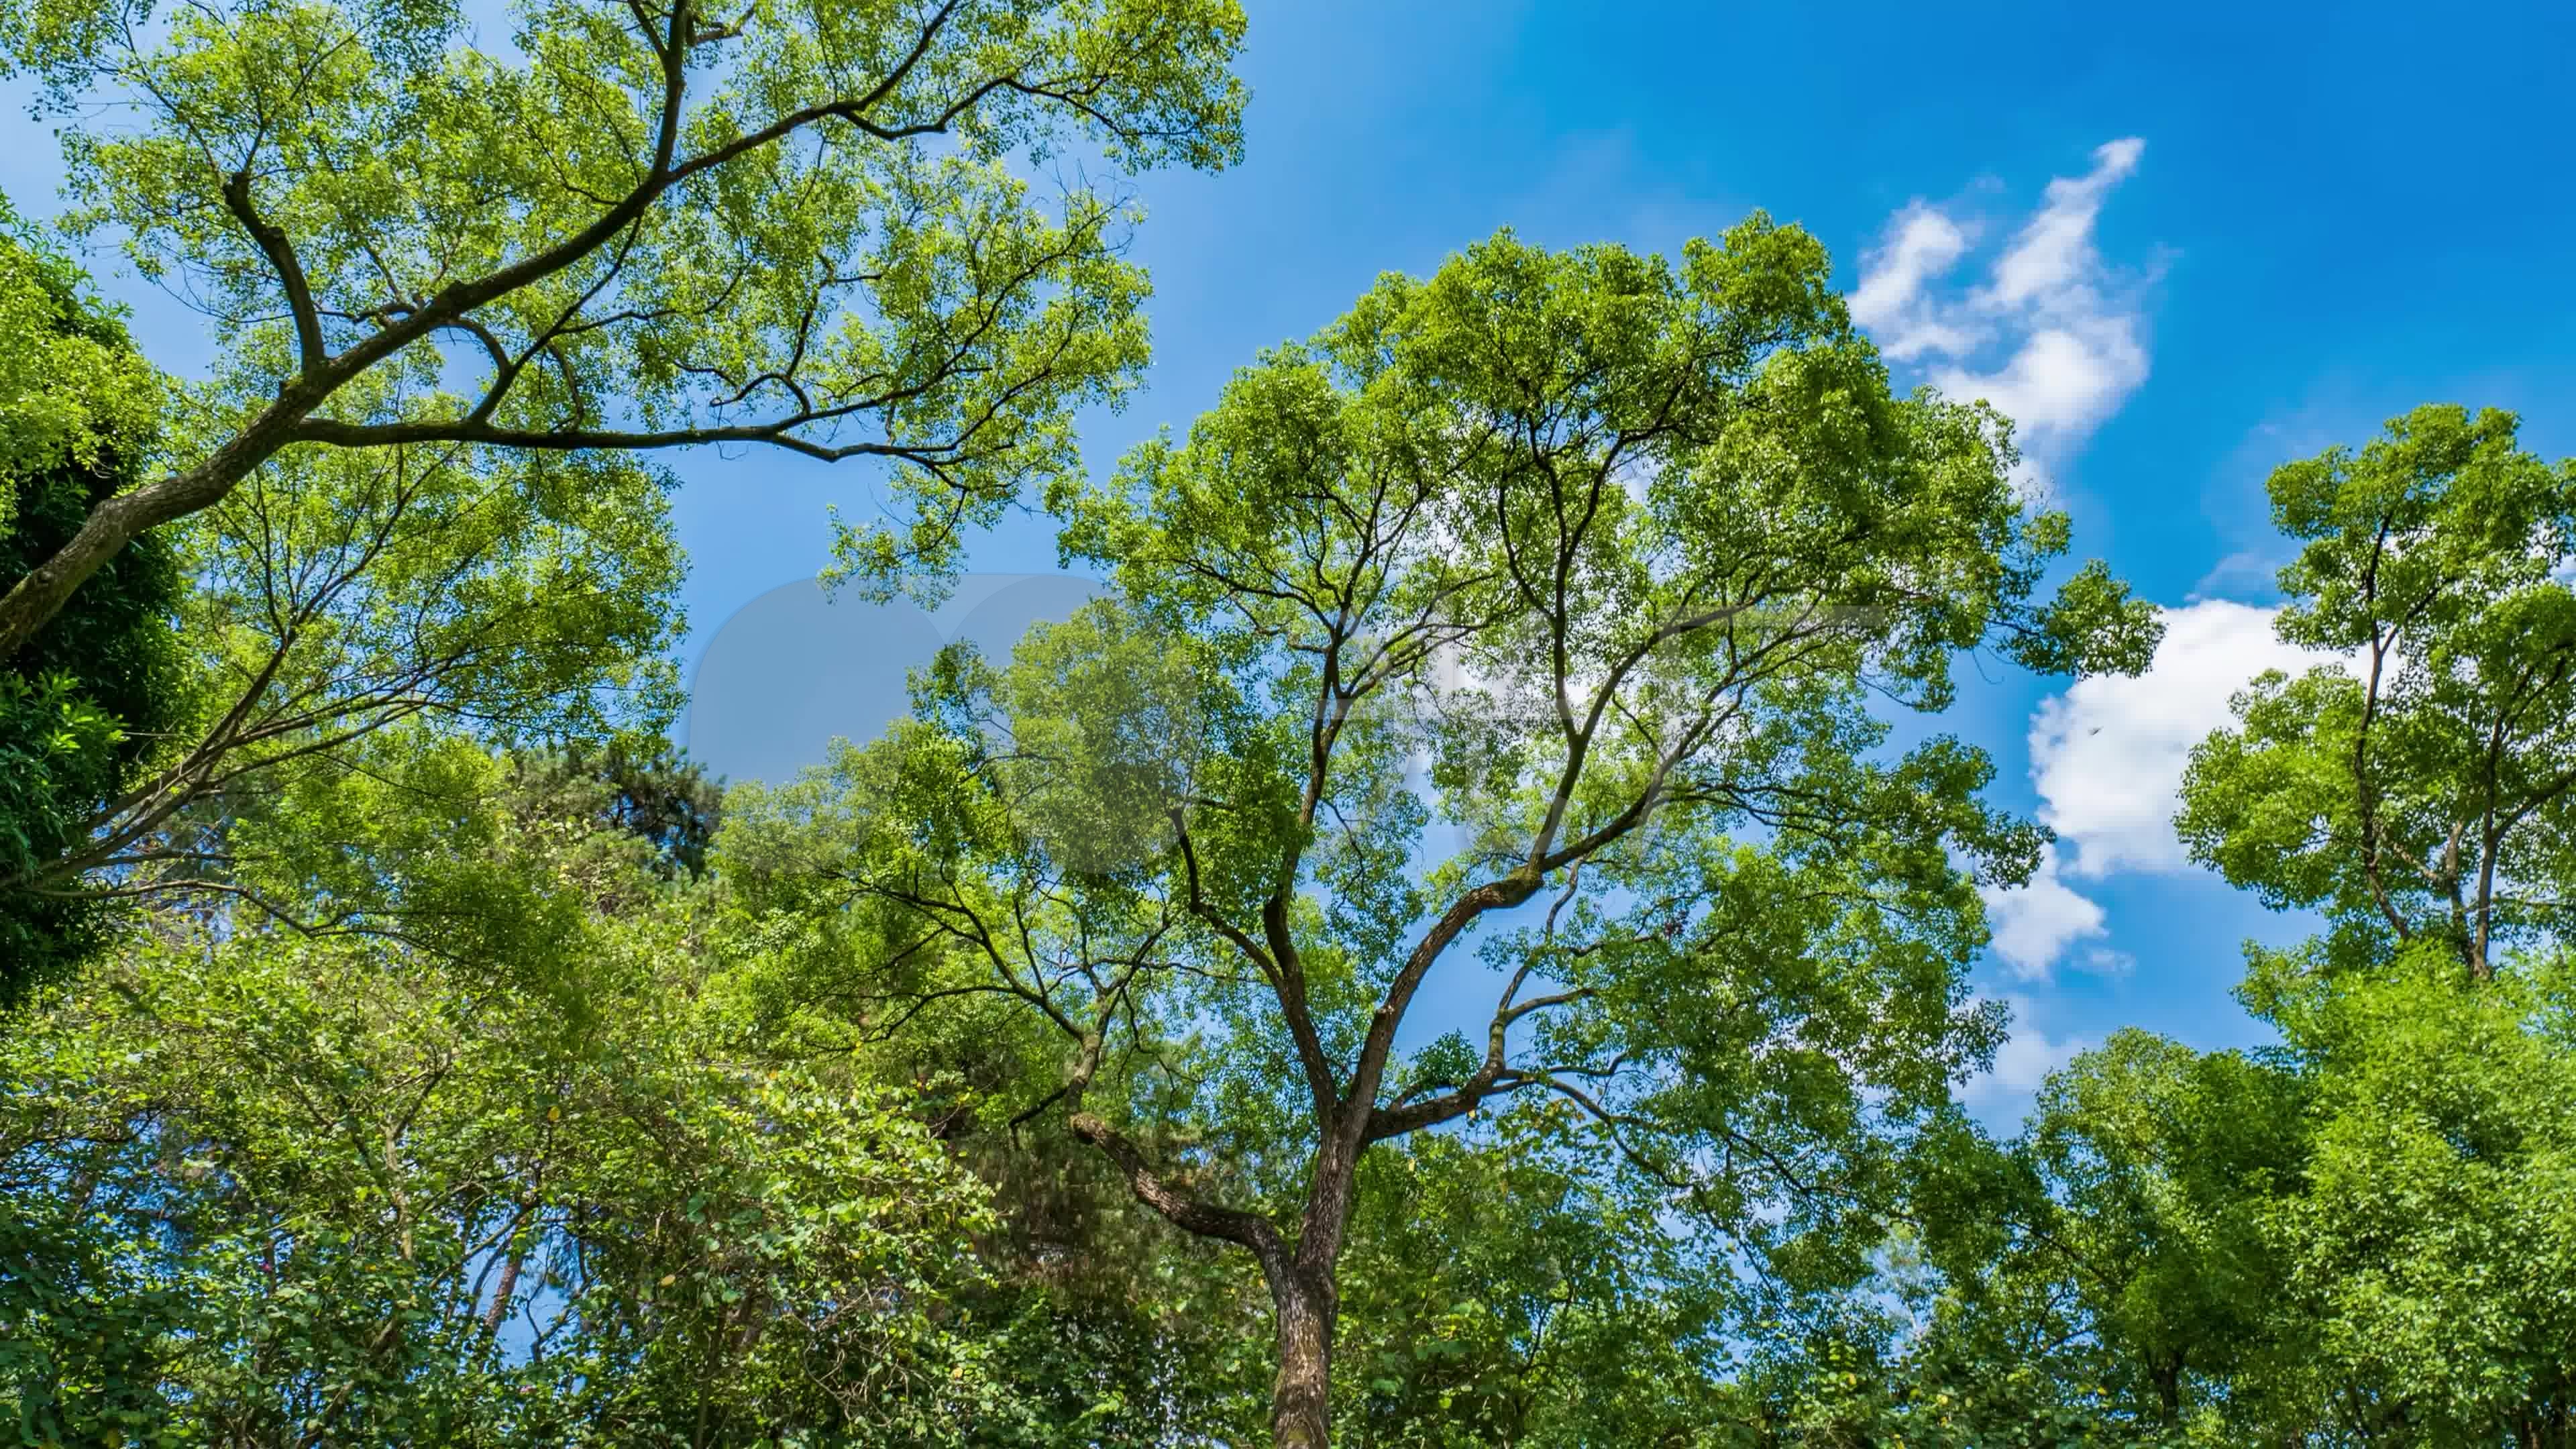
{"x": 2035, "y": 923}
{"x": 2107, "y": 758}
{"x": 2107, "y": 755}
{"x": 1922, "y": 244}
{"x": 2054, "y": 337}
{"x": 2063, "y": 382}
{"x": 2054, "y": 252}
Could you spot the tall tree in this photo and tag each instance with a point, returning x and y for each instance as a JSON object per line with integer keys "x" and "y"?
{"x": 2423, "y": 794}
{"x": 2419, "y": 792}
{"x": 636, "y": 227}
{"x": 2360, "y": 1233}
{"x": 1622, "y": 553}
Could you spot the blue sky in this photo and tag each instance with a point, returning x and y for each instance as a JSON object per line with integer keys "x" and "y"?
{"x": 2321, "y": 215}
{"x": 2335, "y": 213}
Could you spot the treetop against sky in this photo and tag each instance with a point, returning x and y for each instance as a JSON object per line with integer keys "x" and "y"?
{"x": 1647, "y": 614}
{"x": 2144, "y": 246}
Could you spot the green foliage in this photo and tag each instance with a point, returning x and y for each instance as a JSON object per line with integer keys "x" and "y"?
{"x": 1627, "y": 553}
{"x": 2435, "y": 1243}
{"x": 335, "y": 595}
{"x": 2364, "y": 1234}
{"x": 74, "y": 394}
{"x": 2119, "y": 1253}
{"x": 485, "y": 1076}
{"x": 2418, "y": 794}
{"x": 1104, "y": 1330}
{"x": 648, "y": 790}
{"x": 472, "y": 1185}
{"x": 2418, "y": 798}
{"x": 2358, "y": 1241}
{"x": 527, "y": 598}
{"x": 630, "y": 228}
{"x": 1497, "y": 1293}
{"x": 84, "y": 707}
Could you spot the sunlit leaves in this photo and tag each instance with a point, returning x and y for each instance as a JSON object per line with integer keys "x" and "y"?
{"x": 809, "y": 226}
{"x": 2418, "y": 786}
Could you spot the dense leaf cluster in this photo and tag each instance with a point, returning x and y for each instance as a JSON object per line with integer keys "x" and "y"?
{"x": 86, "y": 705}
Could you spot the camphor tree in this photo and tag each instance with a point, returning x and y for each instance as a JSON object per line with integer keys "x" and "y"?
{"x": 2420, "y": 793}
{"x": 1534, "y": 613}
{"x": 636, "y": 226}
{"x": 2423, "y": 796}
{"x": 2363, "y": 1233}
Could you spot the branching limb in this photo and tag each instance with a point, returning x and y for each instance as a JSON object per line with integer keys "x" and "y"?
{"x": 273, "y": 244}
{"x": 1321, "y": 1080}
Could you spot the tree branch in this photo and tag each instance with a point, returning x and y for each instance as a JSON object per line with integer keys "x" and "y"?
{"x": 1188, "y": 1213}
{"x": 280, "y": 252}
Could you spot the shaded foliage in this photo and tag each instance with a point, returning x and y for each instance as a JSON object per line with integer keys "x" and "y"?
{"x": 500, "y": 1185}
{"x": 87, "y": 703}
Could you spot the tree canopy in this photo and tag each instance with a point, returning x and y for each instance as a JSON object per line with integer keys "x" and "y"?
{"x": 2419, "y": 795}
{"x": 2362, "y": 1234}
{"x": 85, "y": 707}
{"x": 489, "y": 1178}
{"x": 1467, "y": 941}
{"x": 632, "y": 228}
{"x": 1619, "y": 554}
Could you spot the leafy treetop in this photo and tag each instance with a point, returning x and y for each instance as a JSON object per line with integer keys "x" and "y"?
{"x": 635, "y": 226}
{"x": 1623, "y": 552}
{"x": 2418, "y": 790}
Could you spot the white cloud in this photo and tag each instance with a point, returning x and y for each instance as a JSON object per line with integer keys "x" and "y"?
{"x": 2055, "y": 338}
{"x": 1922, "y": 244}
{"x": 2062, "y": 383}
{"x": 2023, "y": 1062}
{"x": 2034, "y": 924}
{"x": 2103, "y": 961}
{"x": 2054, "y": 251}
{"x": 2107, "y": 758}
{"x": 2107, "y": 755}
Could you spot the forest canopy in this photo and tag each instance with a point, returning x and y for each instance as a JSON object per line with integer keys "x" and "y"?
{"x": 403, "y": 1041}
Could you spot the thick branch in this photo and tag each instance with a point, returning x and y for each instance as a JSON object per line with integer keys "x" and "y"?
{"x": 1188, "y": 1213}
{"x": 273, "y": 244}
{"x": 1492, "y": 1077}
{"x": 1275, "y": 967}
{"x": 1495, "y": 895}
{"x": 35, "y": 598}
{"x": 335, "y": 433}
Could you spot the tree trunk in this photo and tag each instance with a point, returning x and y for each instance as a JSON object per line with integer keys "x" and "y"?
{"x": 1301, "y": 1397}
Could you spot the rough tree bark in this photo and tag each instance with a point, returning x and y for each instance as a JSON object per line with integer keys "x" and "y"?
{"x": 1306, "y": 1304}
